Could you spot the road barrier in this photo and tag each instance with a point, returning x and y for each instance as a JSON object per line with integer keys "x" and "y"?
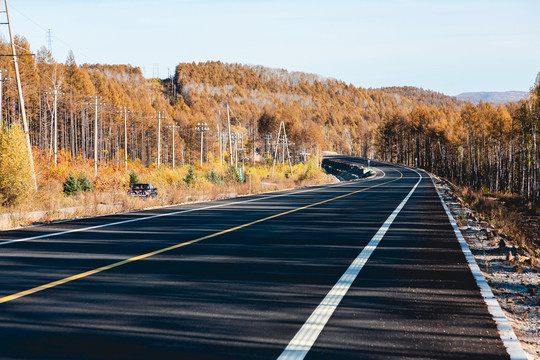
{"x": 344, "y": 170}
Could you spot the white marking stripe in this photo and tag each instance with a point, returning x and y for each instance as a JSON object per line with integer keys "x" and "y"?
{"x": 172, "y": 213}
{"x": 506, "y": 332}
{"x": 306, "y": 336}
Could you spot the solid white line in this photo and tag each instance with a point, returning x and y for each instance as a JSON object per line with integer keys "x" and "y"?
{"x": 509, "y": 338}
{"x": 173, "y": 213}
{"x": 310, "y": 331}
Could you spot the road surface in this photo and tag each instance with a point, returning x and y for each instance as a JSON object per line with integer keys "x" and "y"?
{"x": 258, "y": 277}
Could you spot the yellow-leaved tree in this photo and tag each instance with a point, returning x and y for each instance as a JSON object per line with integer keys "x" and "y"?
{"x": 15, "y": 173}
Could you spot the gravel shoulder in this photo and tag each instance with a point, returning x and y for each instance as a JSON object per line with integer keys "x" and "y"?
{"x": 513, "y": 276}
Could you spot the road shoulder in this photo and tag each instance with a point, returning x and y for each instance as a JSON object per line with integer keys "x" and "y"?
{"x": 513, "y": 285}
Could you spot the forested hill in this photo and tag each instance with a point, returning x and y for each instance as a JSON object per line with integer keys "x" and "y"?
{"x": 318, "y": 112}
{"x": 234, "y": 81}
{"x": 480, "y": 145}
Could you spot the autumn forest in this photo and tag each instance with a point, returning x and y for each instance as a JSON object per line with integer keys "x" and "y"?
{"x": 488, "y": 148}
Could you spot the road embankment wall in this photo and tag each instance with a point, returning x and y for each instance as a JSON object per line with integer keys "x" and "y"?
{"x": 345, "y": 170}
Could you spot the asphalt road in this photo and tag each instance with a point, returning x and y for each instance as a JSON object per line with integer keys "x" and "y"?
{"x": 238, "y": 279}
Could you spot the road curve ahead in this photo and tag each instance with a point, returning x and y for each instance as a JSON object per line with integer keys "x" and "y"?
{"x": 369, "y": 269}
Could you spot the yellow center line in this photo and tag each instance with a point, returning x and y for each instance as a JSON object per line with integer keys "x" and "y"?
{"x": 147, "y": 255}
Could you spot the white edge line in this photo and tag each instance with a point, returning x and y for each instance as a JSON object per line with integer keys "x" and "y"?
{"x": 304, "y": 339}
{"x": 178, "y": 212}
{"x": 508, "y": 337}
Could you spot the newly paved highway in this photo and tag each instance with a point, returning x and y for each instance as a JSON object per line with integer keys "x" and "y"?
{"x": 239, "y": 279}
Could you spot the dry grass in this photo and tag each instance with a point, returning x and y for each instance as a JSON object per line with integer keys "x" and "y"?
{"x": 112, "y": 183}
{"x": 510, "y": 219}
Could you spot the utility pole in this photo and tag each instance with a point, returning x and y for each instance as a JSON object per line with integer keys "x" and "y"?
{"x": 202, "y": 127}
{"x": 55, "y": 126}
{"x": 282, "y": 125}
{"x": 283, "y": 149}
{"x": 219, "y": 145}
{"x": 125, "y": 137}
{"x": 220, "y": 138}
{"x": 95, "y": 135}
{"x": 2, "y": 80}
{"x": 253, "y": 143}
{"x": 159, "y": 141}
{"x": 21, "y": 101}
{"x": 174, "y": 127}
{"x": 243, "y": 153}
{"x": 229, "y": 130}
{"x": 1, "y": 97}
{"x": 268, "y": 137}
{"x": 56, "y": 84}
{"x": 235, "y": 138}
{"x": 173, "y": 154}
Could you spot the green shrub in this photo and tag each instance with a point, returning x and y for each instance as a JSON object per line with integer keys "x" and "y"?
{"x": 310, "y": 173}
{"x": 133, "y": 178}
{"x": 235, "y": 174}
{"x": 71, "y": 185}
{"x": 190, "y": 177}
{"x": 15, "y": 171}
{"x": 214, "y": 177}
{"x": 84, "y": 183}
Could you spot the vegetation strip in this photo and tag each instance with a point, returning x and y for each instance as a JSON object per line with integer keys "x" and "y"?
{"x": 153, "y": 253}
{"x": 162, "y": 215}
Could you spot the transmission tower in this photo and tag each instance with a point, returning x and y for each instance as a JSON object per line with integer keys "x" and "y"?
{"x": 285, "y": 143}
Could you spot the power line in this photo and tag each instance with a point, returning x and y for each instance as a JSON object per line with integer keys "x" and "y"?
{"x": 56, "y": 37}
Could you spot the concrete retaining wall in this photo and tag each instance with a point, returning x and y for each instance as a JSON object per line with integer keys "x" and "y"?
{"x": 344, "y": 170}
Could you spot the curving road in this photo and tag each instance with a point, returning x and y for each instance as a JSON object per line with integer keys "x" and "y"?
{"x": 258, "y": 277}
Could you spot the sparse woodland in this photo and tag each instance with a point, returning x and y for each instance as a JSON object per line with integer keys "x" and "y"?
{"x": 490, "y": 149}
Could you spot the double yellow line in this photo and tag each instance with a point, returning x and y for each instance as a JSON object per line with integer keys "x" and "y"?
{"x": 160, "y": 251}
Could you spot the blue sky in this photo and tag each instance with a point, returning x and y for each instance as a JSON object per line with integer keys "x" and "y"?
{"x": 451, "y": 46}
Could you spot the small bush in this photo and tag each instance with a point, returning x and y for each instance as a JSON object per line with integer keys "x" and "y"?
{"x": 167, "y": 175}
{"x": 71, "y": 185}
{"x": 84, "y": 183}
{"x": 133, "y": 178}
{"x": 214, "y": 177}
{"x": 190, "y": 177}
{"x": 311, "y": 172}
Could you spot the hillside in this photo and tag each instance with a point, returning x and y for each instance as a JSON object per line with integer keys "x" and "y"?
{"x": 482, "y": 146}
{"x": 494, "y": 98}
{"x": 319, "y": 113}
{"x": 473, "y": 144}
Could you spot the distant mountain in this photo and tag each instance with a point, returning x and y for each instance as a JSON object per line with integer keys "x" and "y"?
{"x": 494, "y": 98}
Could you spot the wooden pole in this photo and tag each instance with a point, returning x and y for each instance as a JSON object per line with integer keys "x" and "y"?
{"x": 21, "y": 102}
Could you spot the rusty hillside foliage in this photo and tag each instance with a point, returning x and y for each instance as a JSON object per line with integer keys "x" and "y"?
{"x": 487, "y": 148}
{"x": 319, "y": 114}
